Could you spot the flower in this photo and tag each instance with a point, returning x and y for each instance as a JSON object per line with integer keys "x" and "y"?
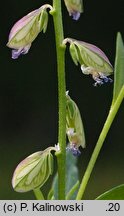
{"x": 74, "y": 8}
{"x": 74, "y": 126}
{"x": 24, "y": 32}
{"x": 92, "y": 60}
{"x": 33, "y": 171}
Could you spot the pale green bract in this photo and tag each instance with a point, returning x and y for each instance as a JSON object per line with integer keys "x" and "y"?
{"x": 33, "y": 171}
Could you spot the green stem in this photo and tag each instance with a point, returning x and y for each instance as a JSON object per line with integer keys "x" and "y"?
{"x": 107, "y": 125}
{"x": 60, "y": 50}
{"x": 38, "y": 194}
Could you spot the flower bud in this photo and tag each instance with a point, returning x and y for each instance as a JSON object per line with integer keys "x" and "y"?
{"x": 33, "y": 171}
{"x": 92, "y": 60}
{"x": 74, "y": 8}
{"x": 24, "y": 32}
{"x": 74, "y": 126}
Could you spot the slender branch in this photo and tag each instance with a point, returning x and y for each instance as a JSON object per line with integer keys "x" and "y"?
{"x": 38, "y": 194}
{"x": 60, "y": 50}
{"x": 107, "y": 125}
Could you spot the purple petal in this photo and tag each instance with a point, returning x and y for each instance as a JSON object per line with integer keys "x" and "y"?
{"x": 75, "y": 15}
{"x": 105, "y": 78}
{"x": 74, "y": 149}
{"x": 22, "y": 51}
{"x": 101, "y": 79}
{"x": 76, "y": 152}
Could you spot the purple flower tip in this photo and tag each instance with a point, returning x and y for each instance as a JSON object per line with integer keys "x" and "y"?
{"x": 101, "y": 79}
{"x": 75, "y": 15}
{"x": 22, "y": 51}
{"x": 75, "y": 151}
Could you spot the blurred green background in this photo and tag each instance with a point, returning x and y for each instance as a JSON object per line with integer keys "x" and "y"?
{"x": 28, "y": 95}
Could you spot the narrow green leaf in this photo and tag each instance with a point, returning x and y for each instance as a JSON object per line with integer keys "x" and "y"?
{"x": 72, "y": 190}
{"x": 119, "y": 68}
{"x": 116, "y": 193}
{"x": 71, "y": 177}
{"x": 54, "y": 187}
{"x": 50, "y": 195}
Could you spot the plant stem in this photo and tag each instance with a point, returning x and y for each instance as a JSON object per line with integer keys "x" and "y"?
{"x": 60, "y": 50}
{"x": 38, "y": 194}
{"x": 107, "y": 125}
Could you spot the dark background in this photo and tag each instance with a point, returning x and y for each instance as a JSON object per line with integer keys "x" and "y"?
{"x": 28, "y": 95}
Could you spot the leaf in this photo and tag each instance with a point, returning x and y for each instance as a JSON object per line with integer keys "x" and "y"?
{"x": 71, "y": 177}
{"x": 119, "y": 68}
{"x": 116, "y": 193}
